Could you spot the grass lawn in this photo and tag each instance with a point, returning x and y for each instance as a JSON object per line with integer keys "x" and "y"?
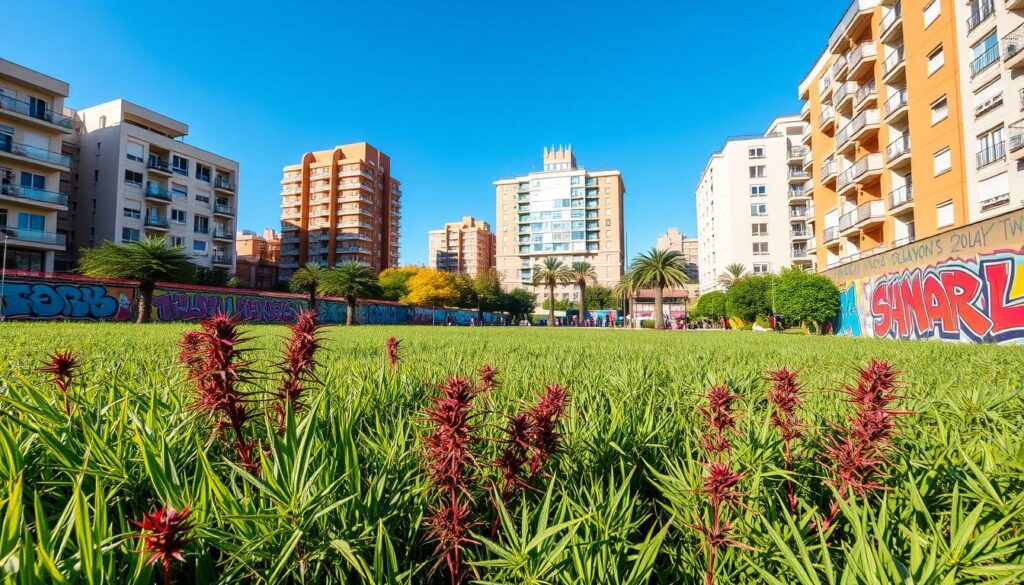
{"x": 342, "y": 497}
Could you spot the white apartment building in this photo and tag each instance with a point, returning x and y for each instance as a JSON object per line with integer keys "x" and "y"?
{"x": 751, "y": 204}
{"x": 136, "y": 177}
{"x": 991, "y": 46}
{"x": 33, "y": 126}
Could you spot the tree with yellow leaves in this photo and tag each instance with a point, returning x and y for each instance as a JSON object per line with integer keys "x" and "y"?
{"x": 433, "y": 288}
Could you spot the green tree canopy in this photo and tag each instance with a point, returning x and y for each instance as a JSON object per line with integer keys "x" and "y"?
{"x": 393, "y": 281}
{"x": 551, "y": 273}
{"x": 147, "y": 261}
{"x": 658, "y": 269}
{"x": 733, "y": 272}
{"x": 306, "y": 279}
{"x": 710, "y": 306}
{"x": 600, "y": 297}
{"x": 519, "y": 302}
{"x": 803, "y": 297}
{"x": 750, "y": 297}
{"x": 351, "y": 280}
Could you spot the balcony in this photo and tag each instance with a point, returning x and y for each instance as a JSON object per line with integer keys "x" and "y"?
{"x": 901, "y": 197}
{"x": 797, "y": 212}
{"x": 37, "y": 113}
{"x": 158, "y": 165}
{"x": 223, "y": 234}
{"x": 799, "y": 253}
{"x": 991, "y": 155}
{"x": 1013, "y": 48}
{"x": 869, "y": 214}
{"x": 223, "y": 183}
{"x": 862, "y": 126}
{"x": 222, "y": 209}
{"x": 28, "y": 194}
{"x": 896, "y": 106}
{"x": 894, "y": 66}
{"x": 891, "y": 27}
{"x": 800, "y": 233}
{"x": 868, "y": 166}
{"x": 840, "y": 67}
{"x": 985, "y": 60}
{"x": 796, "y": 153}
{"x": 32, "y": 154}
{"x": 222, "y": 259}
{"x": 35, "y": 238}
{"x": 797, "y": 193}
{"x": 827, "y": 119}
{"x": 805, "y": 112}
{"x": 157, "y": 222}
{"x": 861, "y": 59}
{"x": 843, "y": 92}
{"x": 846, "y": 222}
{"x": 829, "y": 171}
{"x": 830, "y": 235}
{"x": 867, "y": 92}
{"x": 898, "y": 152}
{"x": 808, "y": 160}
{"x": 1017, "y": 141}
{"x": 158, "y": 193}
{"x": 798, "y": 175}
{"x": 981, "y": 10}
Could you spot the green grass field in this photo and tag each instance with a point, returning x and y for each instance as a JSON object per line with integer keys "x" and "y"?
{"x": 342, "y": 496}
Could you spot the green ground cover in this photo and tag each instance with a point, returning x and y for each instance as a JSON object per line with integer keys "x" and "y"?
{"x": 342, "y": 496}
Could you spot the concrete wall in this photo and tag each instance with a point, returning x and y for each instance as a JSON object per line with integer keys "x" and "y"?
{"x": 966, "y": 284}
{"x": 64, "y": 297}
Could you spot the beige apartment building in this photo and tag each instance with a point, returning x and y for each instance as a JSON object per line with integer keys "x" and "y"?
{"x": 752, "y": 208}
{"x": 136, "y": 177}
{"x": 339, "y": 205}
{"x": 466, "y": 246}
{"x": 33, "y": 128}
{"x": 677, "y": 241}
{"x": 564, "y": 211}
{"x": 257, "y": 257}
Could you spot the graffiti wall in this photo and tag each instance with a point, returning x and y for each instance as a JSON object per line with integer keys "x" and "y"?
{"x": 963, "y": 285}
{"x": 67, "y": 297}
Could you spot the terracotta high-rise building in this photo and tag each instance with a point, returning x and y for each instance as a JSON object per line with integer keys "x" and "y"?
{"x": 467, "y": 246}
{"x": 257, "y": 258}
{"x": 339, "y": 205}
{"x": 563, "y": 211}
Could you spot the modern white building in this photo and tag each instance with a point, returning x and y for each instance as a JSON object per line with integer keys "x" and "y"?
{"x": 135, "y": 176}
{"x": 751, "y": 205}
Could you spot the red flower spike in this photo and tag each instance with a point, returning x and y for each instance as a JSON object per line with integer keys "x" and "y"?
{"x": 545, "y": 440}
{"x": 488, "y": 377}
{"x": 392, "y": 348}
{"x": 720, "y": 485}
{"x": 164, "y": 536}
{"x": 784, "y": 395}
{"x": 298, "y": 365}
{"x": 515, "y": 453}
{"x": 62, "y": 367}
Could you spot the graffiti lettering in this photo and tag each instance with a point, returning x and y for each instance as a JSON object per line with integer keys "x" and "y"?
{"x": 197, "y": 306}
{"x": 69, "y": 301}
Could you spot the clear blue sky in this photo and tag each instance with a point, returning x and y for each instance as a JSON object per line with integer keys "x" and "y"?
{"x": 459, "y": 93}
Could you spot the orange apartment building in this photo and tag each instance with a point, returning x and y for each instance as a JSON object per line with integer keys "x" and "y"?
{"x": 887, "y": 150}
{"x": 466, "y": 246}
{"x": 340, "y": 205}
{"x": 257, "y": 258}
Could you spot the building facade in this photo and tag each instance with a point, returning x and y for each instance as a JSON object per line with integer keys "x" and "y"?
{"x": 257, "y": 258}
{"x": 135, "y": 177}
{"x": 751, "y": 205}
{"x": 676, "y": 241}
{"x": 339, "y": 205}
{"x": 915, "y": 122}
{"x": 33, "y": 161}
{"x": 564, "y": 211}
{"x": 467, "y": 246}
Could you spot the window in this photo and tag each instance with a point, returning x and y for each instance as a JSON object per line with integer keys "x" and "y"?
{"x": 759, "y": 229}
{"x": 179, "y": 165}
{"x": 936, "y": 59}
{"x": 755, "y": 152}
{"x": 201, "y": 224}
{"x": 133, "y": 178}
{"x": 607, "y": 223}
{"x": 135, "y": 151}
{"x": 760, "y": 248}
{"x": 132, "y": 212}
{"x": 95, "y": 176}
{"x": 984, "y": 54}
{"x": 203, "y": 172}
{"x": 36, "y": 108}
{"x": 932, "y": 12}
{"x": 995, "y": 191}
{"x": 31, "y": 222}
{"x": 943, "y": 161}
{"x": 940, "y": 110}
{"x": 758, "y": 209}
{"x": 758, "y": 190}
{"x": 203, "y": 197}
{"x": 757, "y": 172}
{"x": 988, "y": 98}
{"x": 944, "y": 214}
{"x": 199, "y": 246}
{"x": 177, "y": 241}
{"x": 33, "y": 181}
{"x": 130, "y": 235}
{"x": 3, "y": 217}
{"x": 761, "y": 268}
{"x": 179, "y": 191}
{"x": 178, "y": 215}
{"x": 991, "y": 147}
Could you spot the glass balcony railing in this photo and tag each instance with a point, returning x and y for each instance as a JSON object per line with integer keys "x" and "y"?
{"x": 991, "y": 154}
{"x": 895, "y": 102}
{"x": 221, "y": 259}
{"x": 34, "y": 236}
{"x": 38, "y": 112}
{"x": 223, "y": 209}
{"x": 985, "y": 60}
{"x": 158, "y": 164}
{"x": 861, "y": 53}
{"x": 898, "y": 147}
{"x": 222, "y": 233}
{"x": 891, "y": 17}
{"x": 901, "y": 196}
{"x": 867, "y": 163}
{"x": 157, "y": 221}
{"x": 222, "y": 182}
{"x": 893, "y": 61}
{"x": 831, "y": 234}
{"x": 980, "y": 11}
{"x": 865, "y": 91}
{"x": 33, "y": 152}
{"x": 154, "y": 191}
{"x": 34, "y": 194}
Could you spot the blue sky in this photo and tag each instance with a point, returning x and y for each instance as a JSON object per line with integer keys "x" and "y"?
{"x": 459, "y": 93}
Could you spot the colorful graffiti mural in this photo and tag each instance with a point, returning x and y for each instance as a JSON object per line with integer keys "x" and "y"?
{"x": 43, "y": 298}
{"x": 965, "y": 285}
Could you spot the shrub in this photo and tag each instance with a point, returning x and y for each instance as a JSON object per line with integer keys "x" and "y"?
{"x": 802, "y": 297}
{"x": 751, "y": 297}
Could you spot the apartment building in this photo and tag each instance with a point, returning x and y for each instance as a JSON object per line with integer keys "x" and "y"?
{"x": 257, "y": 257}
{"x": 752, "y": 208}
{"x": 339, "y": 205}
{"x": 677, "y": 241}
{"x": 563, "y": 211}
{"x": 466, "y": 246}
{"x": 33, "y": 128}
{"x": 136, "y": 177}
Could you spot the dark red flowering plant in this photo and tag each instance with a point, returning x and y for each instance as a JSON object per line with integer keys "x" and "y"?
{"x": 531, "y": 439}
{"x": 164, "y": 535}
{"x": 784, "y": 396}
{"x": 392, "y": 349}
{"x": 488, "y": 377}
{"x": 62, "y": 367}
{"x": 298, "y": 365}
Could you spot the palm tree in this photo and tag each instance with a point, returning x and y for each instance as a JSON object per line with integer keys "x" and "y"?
{"x": 733, "y": 272}
{"x": 624, "y": 291}
{"x": 147, "y": 261}
{"x": 307, "y": 280}
{"x": 350, "y": 280}
{"x": 658, "y": 269}
{"x": 583, "y": 273}
{"x": 551, "y": 273}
